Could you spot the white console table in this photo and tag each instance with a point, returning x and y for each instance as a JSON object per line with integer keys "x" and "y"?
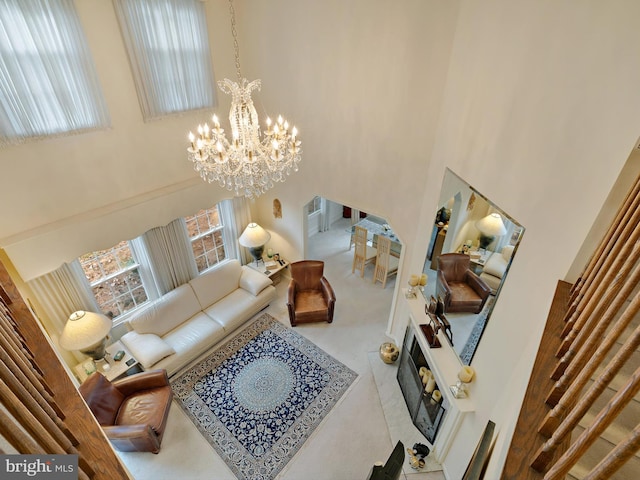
{"x": 445, "y": 365}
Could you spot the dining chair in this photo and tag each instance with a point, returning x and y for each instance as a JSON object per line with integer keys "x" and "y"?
{"x": 386, "y": 264}
{"x": 363, "y": 253}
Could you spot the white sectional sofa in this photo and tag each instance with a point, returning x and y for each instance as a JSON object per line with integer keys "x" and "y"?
{"x": 185, "y": 322}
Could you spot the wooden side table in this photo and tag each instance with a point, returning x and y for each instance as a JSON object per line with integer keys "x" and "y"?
{"x": 125, "y": 366}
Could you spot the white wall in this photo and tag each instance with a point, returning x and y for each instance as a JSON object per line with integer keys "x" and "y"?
{"x": 535, "y": 103}
{"x": 540, "y": 114}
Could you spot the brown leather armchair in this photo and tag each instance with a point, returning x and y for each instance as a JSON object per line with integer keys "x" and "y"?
{"x": 310, "y": 296}
{"x": 132, "y": 411}
{"x": 460, "y": 289}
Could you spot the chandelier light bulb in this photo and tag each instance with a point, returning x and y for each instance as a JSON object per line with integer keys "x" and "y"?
{"x": 253, "y": 161}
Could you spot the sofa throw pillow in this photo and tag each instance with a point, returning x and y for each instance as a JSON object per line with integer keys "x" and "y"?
{"x": 253, "y": 281}
{"x": 147, "y": 348}
{"x": 507, "y": 252}
{"x": 495, "y": 266}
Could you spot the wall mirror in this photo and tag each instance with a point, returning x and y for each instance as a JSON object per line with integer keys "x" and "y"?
{"x": 468, "y": 222}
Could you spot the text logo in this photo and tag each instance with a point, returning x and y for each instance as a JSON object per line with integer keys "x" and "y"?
{"x": 49, "y": 467}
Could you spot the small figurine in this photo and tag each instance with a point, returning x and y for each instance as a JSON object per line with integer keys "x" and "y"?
{"x": 415, "y": 462}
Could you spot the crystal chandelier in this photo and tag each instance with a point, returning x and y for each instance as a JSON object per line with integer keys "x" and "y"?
{"x": 248, "y": 164}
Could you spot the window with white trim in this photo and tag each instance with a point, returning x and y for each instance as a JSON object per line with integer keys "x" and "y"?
{"x": 168, "y": 47}
{"x": 48, "y": 84}
{"x": 206, "y": 233}
{"x": 314, "y": 205}
{"x": 114, "y": 277}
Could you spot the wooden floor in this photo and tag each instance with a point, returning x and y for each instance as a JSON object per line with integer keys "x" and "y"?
{"x": 526, "y": 441}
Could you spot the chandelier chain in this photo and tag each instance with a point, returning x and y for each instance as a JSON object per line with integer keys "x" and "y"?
{"x": 234, "y": 33}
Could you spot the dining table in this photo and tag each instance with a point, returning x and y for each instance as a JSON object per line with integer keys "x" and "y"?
{"x": 374, "y": 229}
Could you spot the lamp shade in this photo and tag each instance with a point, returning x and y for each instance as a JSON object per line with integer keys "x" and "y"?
{"x": 491, "y": 225}
{"x": 254, "y": 236}
{"x": 84, "y": 330}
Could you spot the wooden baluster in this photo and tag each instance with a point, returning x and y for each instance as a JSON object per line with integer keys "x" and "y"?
{"x": 593, "y": 431}
{"x": 546, "y": 451}
{"x": 616, "y": 458}
{"x": 11, "y": 431}
{"x": 574, "y": 359}
{"x": 45, "y": 416}
{"x": 601, "y": 250}
{"x": 26, "y": 418}
{"x": 612, "y": 263}
{"x": 25, "y": 374}
{"x": 553, "y": 418}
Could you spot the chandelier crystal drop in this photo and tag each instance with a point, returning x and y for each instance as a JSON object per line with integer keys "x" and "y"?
{"x": 249, "y": 163}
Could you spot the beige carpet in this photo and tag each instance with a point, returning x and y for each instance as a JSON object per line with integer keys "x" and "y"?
{"x": 354, "y": 434}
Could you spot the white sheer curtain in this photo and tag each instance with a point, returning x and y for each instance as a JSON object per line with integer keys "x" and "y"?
{"x": 324, "y": 215}
{"x": 169, "y": 255}
{"x": 48, "y": 82}
{"x": 168, "y": 47}
{"x": 236, "y": 215}
{"x": 60, "y": 293}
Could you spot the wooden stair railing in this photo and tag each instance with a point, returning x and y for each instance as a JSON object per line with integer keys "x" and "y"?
{"x": 596, "y": 344}
{"x": 41, "y": 412}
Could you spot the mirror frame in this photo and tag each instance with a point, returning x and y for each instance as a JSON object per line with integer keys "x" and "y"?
{"x": 452, "y": 186}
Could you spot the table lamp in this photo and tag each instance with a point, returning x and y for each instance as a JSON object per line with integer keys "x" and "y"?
{"x": 490, "y": 227}
{"x": 86, "y": 332}
{"x": 254, "y": 238}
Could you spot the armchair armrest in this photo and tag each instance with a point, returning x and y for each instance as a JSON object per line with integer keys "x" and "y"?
{"x": 291, "y": 300}
{"x": 442, "y": 288}
{"x": 132, "y": 438}
{"x": 291, "y": 293}
{"x": 142, "y": 381}
{"x": 478, "y": 285}
{"x": 327, "y": 290}
{"x": 330, "y": 297}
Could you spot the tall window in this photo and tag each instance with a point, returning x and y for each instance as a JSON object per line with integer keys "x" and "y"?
{"x": 114, "y": 276}
{"x": 314, "y": 205}
{"x": 168, "y": 49}
{"x": 206, "y": 232}
{"x": 48, "y": 83}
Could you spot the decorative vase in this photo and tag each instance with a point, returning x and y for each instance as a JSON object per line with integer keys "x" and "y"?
{"x": 389, "y": 352}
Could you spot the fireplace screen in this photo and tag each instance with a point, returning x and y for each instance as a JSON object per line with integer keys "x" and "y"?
{"x": 423, "y": 398}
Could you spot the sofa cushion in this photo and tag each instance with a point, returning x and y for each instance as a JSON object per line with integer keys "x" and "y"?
{"x": 216, "y": 283}
{"x": 253, "y": 281}
{"x": 147, "y": 348}
{"x": 237, "y": 307}
{"x": 496, "y": 265}
{"x": 507, "y": 252}
{"x": 189, "y": 340}
{"x": 166, "y": 313}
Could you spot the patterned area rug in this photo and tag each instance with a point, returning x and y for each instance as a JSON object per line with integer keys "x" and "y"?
{"x": 261, "y": 395}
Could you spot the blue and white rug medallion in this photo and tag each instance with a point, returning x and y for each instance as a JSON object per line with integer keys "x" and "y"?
{"x": 260, "y": 396}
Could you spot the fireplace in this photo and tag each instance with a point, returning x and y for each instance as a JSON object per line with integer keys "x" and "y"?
{"x": 425, "y": 409}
